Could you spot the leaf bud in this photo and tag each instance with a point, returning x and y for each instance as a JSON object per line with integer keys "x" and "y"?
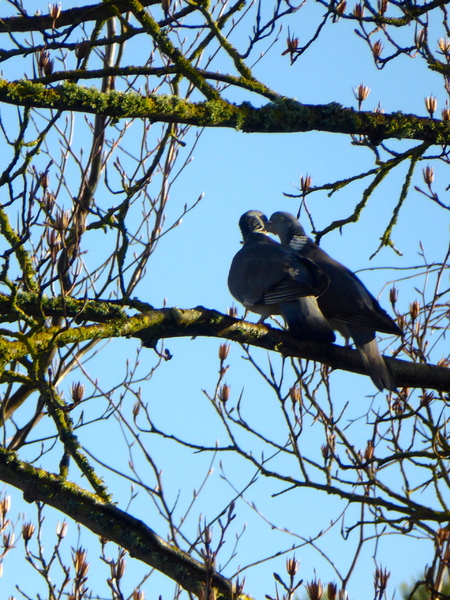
{"x": 431, "y": 105}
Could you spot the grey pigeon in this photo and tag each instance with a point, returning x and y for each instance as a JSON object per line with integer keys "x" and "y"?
{"x": 271, "y": 279}
{"x": 346, "y": 303}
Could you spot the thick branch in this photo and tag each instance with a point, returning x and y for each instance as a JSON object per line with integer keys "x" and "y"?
{"x": 154, "y": 325}
{"x": 283, "y": 116}
{"x": 107, "y": 520}
{"x": 69, "y": 17}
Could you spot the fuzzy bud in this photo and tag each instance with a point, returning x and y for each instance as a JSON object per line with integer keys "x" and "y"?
{"x": 44, "y": 63}
{"x": 331, "y": 591}
{"x": 55, "y": 11}
{"x": 426, "y": 399}
{"x": 120, "y": 568}
{"x": 80, "y": 563}
{"x": 27, "y": 531}
{"x": 314, "y": 589}
{"x": 5, "y": 505}
{"x": 381, "y": 578}
{"x": 81, "y": 49}
{"x": 292, "y": 45}
{"x": 295, "y": 394}
{"x": 8, "y": 540}
{"x": 340, "y": 8}
{"x": 414, "y": 309}
{"x": 444, "y": 45}
{"x": 393, "y": 295}
{"x": 61, "y": 530}
{"x": 368, "y": 452}
{"x": 305, "y": 183}
{"x": 232, "y": 312}
{"x": 77, "y": 392}
{"x": 358, "y": 11}
{"x": 419, "y": 38}
{"x": 428, "y": 175}
{"x": 44, "y": 180}
{"x": 292, "y": 566}
{"x": 377, "y": 49}
{"x": 61, "y": 221}
{"x": 224, "y": 393}
{"x": 431, "y": 105}
{"x": 224, "y": 349}
{"x": 442, "y": 535}
{"x": 326, "y": 451}
{"x": 361, "y": 93}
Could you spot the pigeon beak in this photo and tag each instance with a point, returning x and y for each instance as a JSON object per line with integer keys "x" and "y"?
{"x": 270, "y": 228}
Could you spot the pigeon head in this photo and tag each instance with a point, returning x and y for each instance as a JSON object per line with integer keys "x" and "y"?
{"x": 253, "y": 221}
{"x": 286, "y": 226}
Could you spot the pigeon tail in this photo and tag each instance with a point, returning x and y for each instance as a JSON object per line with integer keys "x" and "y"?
{"x": 375, "y": 366}
{"x": 306, "y": 322}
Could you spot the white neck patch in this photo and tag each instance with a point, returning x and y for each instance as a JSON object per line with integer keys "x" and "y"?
{"x": 298, "y": 242}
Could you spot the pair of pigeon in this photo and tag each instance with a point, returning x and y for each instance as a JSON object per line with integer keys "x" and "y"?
{"x": 312, "y": 291}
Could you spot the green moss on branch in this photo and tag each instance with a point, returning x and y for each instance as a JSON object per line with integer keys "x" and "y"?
{"x": 282, "y": 116}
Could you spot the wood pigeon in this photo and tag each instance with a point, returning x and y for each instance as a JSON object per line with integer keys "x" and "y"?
{"x": 346, "y": 303}
{"x": 271, "y": 279}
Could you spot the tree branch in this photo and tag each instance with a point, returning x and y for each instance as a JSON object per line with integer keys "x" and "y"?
{"x": 282, "y": 116}
{"x": 68, "y": 18}
{"x": 107, "y": 520}
{"x": 153, "y": 325}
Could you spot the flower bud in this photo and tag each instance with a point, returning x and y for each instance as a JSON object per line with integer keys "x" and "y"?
{"x": 431, "y": 105}
{"x": 414, "y": 309}
{"x": 340, "y": 8}
{"x": 120, "y": 568}
{"x": 368, "y": 452}
{"x": 8, "y": 540}
{"x": 393, "y": 295}
{"x": 314, "y": 589}
{"x": 292, "y": 566}
{"x": 358, "y": 11}
{"x": 305, "y": 183}
{"x": 232, "y": 312}
{"x": 224, "y": 349}
{"x": 331, "y": 591}
{"x": 81, "y": 49}
{"x": 27, "y": 531}
{"x": 55, "y": 11}
{"x": 377, "y": 49}
{"x": 361, "y": 93}
{"x": 426, "y": 399}
{"x": 442, "y": 535}
{"x": 428, "y": 175}
{"x": 80, "y": 563}
{"x": 444, "y": 45}
{"x": 61, "y": 530}
{"x": 77, "y": 392}
{"x": 420, "y": 37}
{"x": 381, "y": 578}
{"x": 295, "y": 394}
{"x": 224, "y": 393}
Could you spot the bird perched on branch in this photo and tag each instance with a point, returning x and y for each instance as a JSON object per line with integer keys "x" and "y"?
{"x": 271, "y": 279}
{"x": 346, "y": 303}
